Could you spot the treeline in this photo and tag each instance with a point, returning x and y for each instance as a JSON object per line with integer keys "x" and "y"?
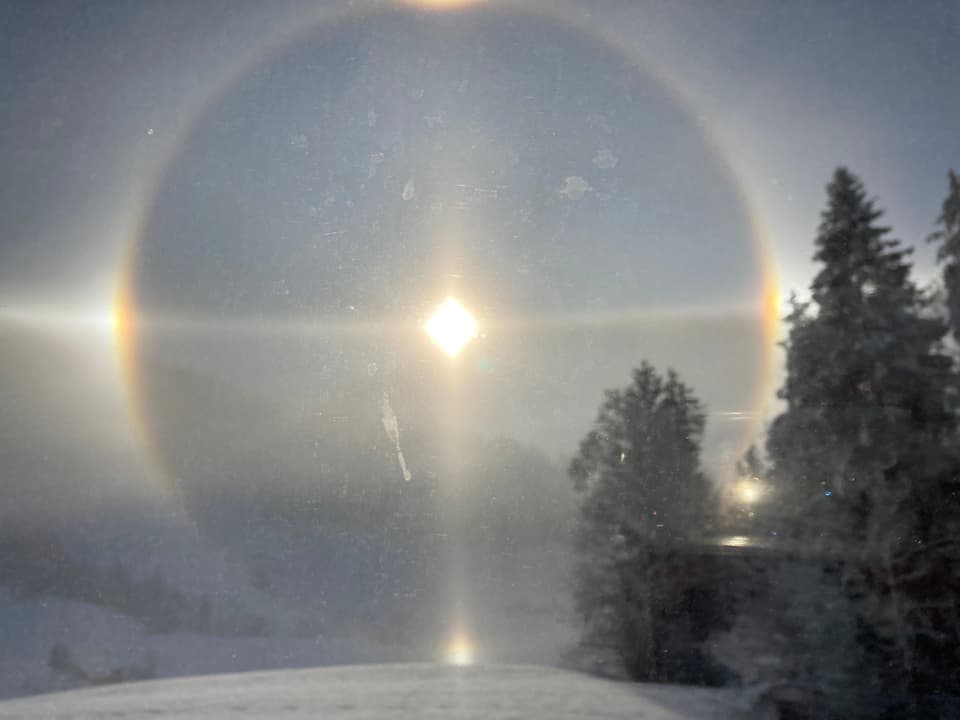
{"x": 36, "y": 564}
{"x": 506, "y": 493}
{"x": 358, "y": 545}
{"x": 848, "y": 591}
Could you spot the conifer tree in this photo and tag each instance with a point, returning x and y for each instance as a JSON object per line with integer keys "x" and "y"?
{"x": 644, "y": 492}
{"x": 862, "y": 456}
{"x": 948, "y": 235}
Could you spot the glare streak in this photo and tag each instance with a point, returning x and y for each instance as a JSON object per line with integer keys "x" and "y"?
{"x": 99, "y": 320}
{"x": 106, "y": 320}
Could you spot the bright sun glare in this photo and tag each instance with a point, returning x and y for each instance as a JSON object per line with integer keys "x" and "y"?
{"x": 460, "y": 651}
{"x": 104, "y": 320}
{"x": 452, "y": 327}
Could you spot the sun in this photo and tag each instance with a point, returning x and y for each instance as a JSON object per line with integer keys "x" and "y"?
{"x": 452, "y": 327}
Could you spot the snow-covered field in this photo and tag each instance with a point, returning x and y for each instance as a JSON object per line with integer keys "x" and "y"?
{"x": 510, "y": 623}
{"x": 384, "y": 691}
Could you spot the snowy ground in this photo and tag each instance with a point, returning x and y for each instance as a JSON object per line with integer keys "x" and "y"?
{"x": 384, "y": 691}
{"x": 510, "y": 624}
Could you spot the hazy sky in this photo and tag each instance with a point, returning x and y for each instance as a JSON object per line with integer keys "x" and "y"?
{"x": 797, "y": 88}
{"x": 586, "y": 186}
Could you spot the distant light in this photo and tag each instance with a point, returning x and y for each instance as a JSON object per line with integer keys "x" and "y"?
{"x": 452, "y": 327}
{"x": 460, "y": 651}
{"x": 736, "y": 541}
{"x": 748, "y": 491}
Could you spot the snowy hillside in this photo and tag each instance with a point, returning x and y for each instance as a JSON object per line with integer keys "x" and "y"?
{"x": 512, "y": 622}
{"x": 385, "y": 691}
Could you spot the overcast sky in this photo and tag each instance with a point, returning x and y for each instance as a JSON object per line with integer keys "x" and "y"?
{"x": 586, "y": 190}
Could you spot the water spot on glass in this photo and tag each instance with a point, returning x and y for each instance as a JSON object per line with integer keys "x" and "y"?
{"x": 599, "y": 121}
{"x": 376, "y": 159}
{"x": 575, "y": 187}
{"x": 604, "y": 159}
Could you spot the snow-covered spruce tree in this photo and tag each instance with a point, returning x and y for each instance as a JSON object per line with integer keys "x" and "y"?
{"x": 773, "y": 643}
{"x": 940, "y": 619}
{"x": 862, "y": 455}
{"x": 643, "y": 492}
{"x": 948, "y": 236}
